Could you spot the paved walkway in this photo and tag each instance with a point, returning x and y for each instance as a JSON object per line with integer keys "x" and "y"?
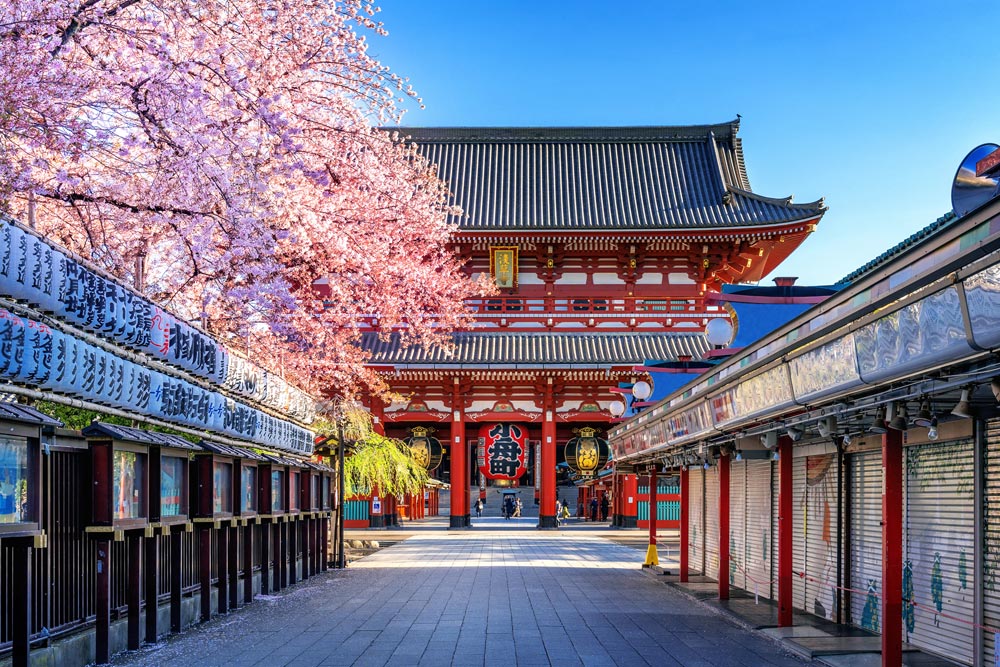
{"x": 482, "y": 597}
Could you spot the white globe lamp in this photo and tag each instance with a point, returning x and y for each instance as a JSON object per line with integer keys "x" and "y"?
{"x": 617, "y": 409}
{"x": 641, "y": 390}
{"x": 719, "y": 332}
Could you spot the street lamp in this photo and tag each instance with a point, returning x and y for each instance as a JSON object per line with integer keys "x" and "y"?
{"x": 641, "y": 390}
{"x": 617, "y": 409}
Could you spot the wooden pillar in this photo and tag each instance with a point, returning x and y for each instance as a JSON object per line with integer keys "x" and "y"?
{"x": 685, "y": 537}
{"x": 151, "y": 571}
{"x": 652, "y": 557}
{"x": 547, "y": 497}
{"x": 223, "y": 567}
{"x": 278, "y": 556}
{"x": 265, "y": 560}
{"x": 21, "y": 604}
{"x": 205, "y": 563}
{"x": 305, "y": 528}
{"x": 103, "y": 622}
{"x": 784, "y": 532}
{"x": 133, "y": 591}
{"x": 324, "y": 542}
{"x": 293, "y": 532}
{"x": 892, "y": 547}
{"x": 724, "y": 527}
{"x": 459, "y": 463}
{"x": 234, "y": 565}
{"x": 248, "y": 563}
{"x": 176, "y": 542}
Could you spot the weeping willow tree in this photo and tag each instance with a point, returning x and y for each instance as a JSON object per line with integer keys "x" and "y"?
{"x": 372, "y": 461}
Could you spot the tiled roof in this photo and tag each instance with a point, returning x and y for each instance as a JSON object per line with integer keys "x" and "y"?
{"x": 898, "y": 249}
{"x": 610, "y": 178}
{"x": 228, "y": 450}
{"x": 16, "y": 412}
{"x": 138, "y": 435}
{"x": 541, "y": 349}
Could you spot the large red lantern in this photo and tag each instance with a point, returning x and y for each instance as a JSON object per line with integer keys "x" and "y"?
{"x": 503, "y": 451}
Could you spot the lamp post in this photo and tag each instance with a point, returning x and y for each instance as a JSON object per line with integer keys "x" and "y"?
{"x": 341, "y": 445}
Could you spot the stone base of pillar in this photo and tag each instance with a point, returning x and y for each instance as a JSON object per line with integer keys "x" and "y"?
{"x": 630, "y": 522}
{"x": 547, "y": 522}
{"x": 457, "y": 521}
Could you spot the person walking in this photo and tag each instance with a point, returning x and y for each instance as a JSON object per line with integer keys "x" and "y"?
{"x": 479, "y": 508}
{"x": 605, "y": 505}
{"x": 593, "y": 508}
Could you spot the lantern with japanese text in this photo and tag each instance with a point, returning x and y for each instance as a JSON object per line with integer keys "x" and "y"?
{"x": 424, "y": 449}
{"x": 586, "y": 454}
{"x": 503, "y": 451}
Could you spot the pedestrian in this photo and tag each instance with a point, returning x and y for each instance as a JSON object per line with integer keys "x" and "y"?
{"x": 479, "y": 508}
{"x": 517, "y": 508}
{"x": 605, "y": 505}
{"x": 559, "y": 507}
{"x": 593, "y": 508}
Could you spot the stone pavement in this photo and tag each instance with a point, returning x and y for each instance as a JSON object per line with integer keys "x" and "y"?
{"x": 479, "y": 597}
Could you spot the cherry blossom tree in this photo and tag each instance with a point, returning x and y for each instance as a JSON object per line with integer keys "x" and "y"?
{"x": 222, "y": 155}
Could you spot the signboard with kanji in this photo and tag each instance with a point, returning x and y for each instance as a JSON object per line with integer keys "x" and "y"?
{"x": 504, "y": 451}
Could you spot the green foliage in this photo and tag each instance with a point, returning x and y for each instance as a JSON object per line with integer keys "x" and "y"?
{"x": 383, "y": 463}
{"x": 78, "y": 418}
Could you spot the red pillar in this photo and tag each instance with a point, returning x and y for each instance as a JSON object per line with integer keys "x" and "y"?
{"x": 630, "y": 506}
{"x": 459, "y": 483}
{"x": 784, "y": 532}
{"x": 547, "y": 508}
{"x": 684, "y": 525}
{"x": 724, "y": 527}
{"x": 892, "y": 547}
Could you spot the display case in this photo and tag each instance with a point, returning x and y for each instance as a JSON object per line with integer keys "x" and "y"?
{"x": 237, "y": 469}
{"x": 140, "y": 478}
{"x": 316, "y": 498}
{"x": 22, "y": 430}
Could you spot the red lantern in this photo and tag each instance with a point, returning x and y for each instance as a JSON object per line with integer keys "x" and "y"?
{"x": 503, "y": 451}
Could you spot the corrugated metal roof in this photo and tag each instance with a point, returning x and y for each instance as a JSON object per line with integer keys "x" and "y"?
{"x": 620, "y": 178}
{"x": 898, "y": 249}
{"x": 501, "y": 349}
{"x": 137, "y": 435}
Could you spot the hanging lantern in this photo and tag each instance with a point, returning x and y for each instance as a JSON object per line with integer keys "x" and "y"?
{"x": 503, "y": 451}
{"x": 424, "y": 449}
{"x": 586, "y": 453}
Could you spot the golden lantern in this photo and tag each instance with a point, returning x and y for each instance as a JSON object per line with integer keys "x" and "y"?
{"x": 424, "y": 449}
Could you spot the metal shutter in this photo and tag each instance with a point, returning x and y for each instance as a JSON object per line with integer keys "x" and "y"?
{"x": 799, "y": 533}
{"x": 737, "y": 524}
{"x": 696, "y": 519}
{"x": 820, "y": 521}
{"x": 758, "y": 528}
{"x": 938, "y": 548}
{"x": 865, "y": 506}
{"x": 712, "y": 522}
{"x": 991, "y": 535}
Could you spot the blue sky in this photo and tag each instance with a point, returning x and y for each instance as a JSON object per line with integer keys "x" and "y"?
{"x": 870, "y": 105}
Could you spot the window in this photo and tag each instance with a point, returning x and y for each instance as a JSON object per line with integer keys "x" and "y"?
{"x": 173, "y": 481}
{"x": 293, "y": 491}
{"x": 277, "y": 491}
{"x": 13, "y": 480}
{"x": 222, "y": 488}
{"x": 129, "y": 473}
{"x": 248, "y": 489}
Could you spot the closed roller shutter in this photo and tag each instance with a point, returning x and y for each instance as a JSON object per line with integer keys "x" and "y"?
{"x": 758, "y": 527}
{"x": 991, "y": 536}
{"x": 799, "y": 500}
{"x": 820, "y": 521}
{"x": 696, "y": 519}
{"x": 938, "y": 548}
{"x": 737, "y": 524}
{"x": 865, "y": 506}
{"x": 712, "y": 522}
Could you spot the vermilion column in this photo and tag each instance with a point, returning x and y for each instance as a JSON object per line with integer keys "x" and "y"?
{"x": 784, "y": 532}
{"x": 459, "y": 483}
{"x": 630, "y": 508}
{"x": 652, "y": 557}
{"x": 892, "y": 547}
{"x": 547, "y": 508}
{"x": 684, "y": 525}
{"x": 724, "y": 527}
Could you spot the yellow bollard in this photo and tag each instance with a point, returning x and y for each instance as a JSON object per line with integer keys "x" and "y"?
{"x": 652, "y": 558}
